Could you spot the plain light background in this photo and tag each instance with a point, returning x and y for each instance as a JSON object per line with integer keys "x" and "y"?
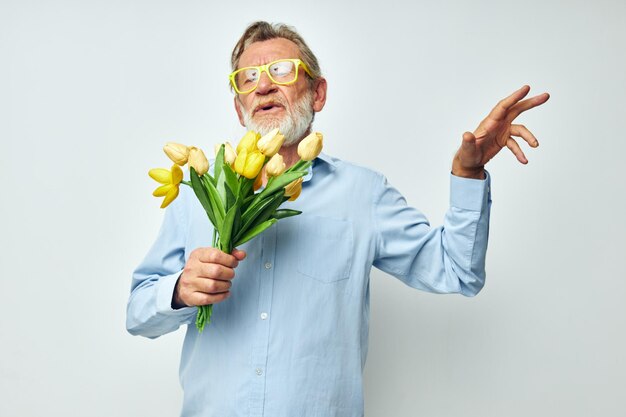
{"x": 91, "y": 90}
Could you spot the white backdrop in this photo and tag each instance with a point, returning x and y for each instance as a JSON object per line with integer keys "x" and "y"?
{"x": 91, "y": 90}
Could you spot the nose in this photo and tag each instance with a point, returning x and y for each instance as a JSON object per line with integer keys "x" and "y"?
{"x": 265, "y": 85}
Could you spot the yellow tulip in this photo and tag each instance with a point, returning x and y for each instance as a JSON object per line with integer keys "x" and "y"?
{"x": 177, "y": 152}
{"x": 249, "y": 164}
{"x": 229, "y": 154}
{"x": 198, "y": 161}
{"x": 240, "y": 161}
{"x": 270, "y": 143}
{"x": 293, "y": 189}
{"x": 310, "y": 147}
{"x": 275, "y": 166}
{"x": 248, "y": 142}
{"x": 171, "y": 181}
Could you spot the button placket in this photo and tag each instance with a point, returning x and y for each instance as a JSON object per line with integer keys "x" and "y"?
{"x": 261, "y": 342}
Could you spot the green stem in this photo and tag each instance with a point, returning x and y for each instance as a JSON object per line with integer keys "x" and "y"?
{"x": 204, "y": 312}
{"x": 300, "y": 165}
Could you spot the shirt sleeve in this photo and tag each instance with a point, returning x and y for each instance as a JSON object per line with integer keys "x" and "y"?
{"x": 149, "y": 311}
{"x": 446, "y": 259}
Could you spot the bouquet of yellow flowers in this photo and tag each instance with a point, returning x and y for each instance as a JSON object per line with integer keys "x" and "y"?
{"x": 232, "y": 197}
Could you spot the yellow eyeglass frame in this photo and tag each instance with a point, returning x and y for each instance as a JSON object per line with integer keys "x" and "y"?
{"x": 261, "y": 68}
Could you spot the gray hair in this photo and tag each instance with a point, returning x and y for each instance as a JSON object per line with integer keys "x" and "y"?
{"x": 263, "y": 31}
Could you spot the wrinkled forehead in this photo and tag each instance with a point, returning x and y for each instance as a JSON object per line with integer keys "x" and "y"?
{"x": 259, "y": 53}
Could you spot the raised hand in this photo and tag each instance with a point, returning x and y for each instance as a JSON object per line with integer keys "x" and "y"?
{"x": 494, "y": 133}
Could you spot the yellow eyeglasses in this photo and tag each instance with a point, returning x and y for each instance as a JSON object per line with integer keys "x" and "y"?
{"x": 282, "y": 72}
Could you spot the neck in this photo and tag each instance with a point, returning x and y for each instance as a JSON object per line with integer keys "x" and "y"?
{"x": 290, "y": 154}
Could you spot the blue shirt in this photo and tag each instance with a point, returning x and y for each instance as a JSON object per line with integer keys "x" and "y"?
{"x": 292, "y": 338}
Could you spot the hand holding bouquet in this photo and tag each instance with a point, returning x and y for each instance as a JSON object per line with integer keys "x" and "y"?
{"x": 232, "y": 197}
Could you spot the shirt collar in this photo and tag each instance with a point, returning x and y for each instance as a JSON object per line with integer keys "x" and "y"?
{"x": 329, "y": 160}
{"x": 321, "y": 158}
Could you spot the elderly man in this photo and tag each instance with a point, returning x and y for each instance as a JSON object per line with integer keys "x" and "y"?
{"x": 289, "y": 332}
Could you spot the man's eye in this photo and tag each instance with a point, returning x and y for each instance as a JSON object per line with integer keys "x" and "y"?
{"x": 281, "y": 69}
{"x": 251, "y": 75}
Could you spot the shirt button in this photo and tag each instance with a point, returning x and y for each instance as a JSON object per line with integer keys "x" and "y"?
{"x": 259, "y": 371}
{"x": 268, "y": 265}
{"x": 263, "y": 316}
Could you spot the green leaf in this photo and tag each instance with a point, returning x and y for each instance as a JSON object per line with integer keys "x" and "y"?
{"x": 300, "y": 166}
{"x": 255, "y": 231}
{"x": 270, "y": 209}
{"x": 231, "y": 179}
{"x": 259, "y": 204}
{"x": 273, "y": 186}
{"x": 245, "y": 187}
{"x": 207, "y": 177}
{"x": 281, "y": 181}
{"x": 227, "y": 229}
{"x": 219, "y": 162}
{"x": 230, "y": 197}
{"x": 217, "y": 204}
{"x": 201, "y": 193}
{"x": 284, "y": 213}
{"x": 247, "y": 201}
{"x": 220, "y": 186}
{"x": 259, "y": 213}
{"x": 236, "y": 224}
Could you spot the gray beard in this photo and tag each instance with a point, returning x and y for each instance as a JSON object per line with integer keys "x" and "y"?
{"x": 294, "y": 125}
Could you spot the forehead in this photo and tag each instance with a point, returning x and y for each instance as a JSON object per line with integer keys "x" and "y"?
{"x": 259, "y": 53}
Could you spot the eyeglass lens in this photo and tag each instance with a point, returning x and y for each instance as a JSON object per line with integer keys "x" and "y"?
{"x": 280, "y": 72}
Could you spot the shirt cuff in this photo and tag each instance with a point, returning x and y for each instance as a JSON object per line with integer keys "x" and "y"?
{"x": 165, "y": 292}
{"x": 469, "y": 193}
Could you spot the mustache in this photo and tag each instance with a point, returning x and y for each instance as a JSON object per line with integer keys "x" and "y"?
{"x": 267, "y": 101}
{"x": 294, "y": 123}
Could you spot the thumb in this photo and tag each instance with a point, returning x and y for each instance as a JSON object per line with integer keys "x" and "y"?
{"x": 469, "y": 140}
{"x": 239, "y": 254}
{"x": 469, "y": 151}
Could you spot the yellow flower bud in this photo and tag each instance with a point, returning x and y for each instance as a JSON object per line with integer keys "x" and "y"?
{"x": 249, "y": 164}
{"x": 177, "y": 152}
{"x": 275, "y": 166}
{"x": 248, "y": 142}
{"x": 229, "y": 154}
{"x": 293, "y": 189}
{"x": 270, "y": 143}
{"x": 198, "y": 161}
{"x": 254, "y": 163}
{"x": 310, "y": 146}
{"x": 240, "y": 161}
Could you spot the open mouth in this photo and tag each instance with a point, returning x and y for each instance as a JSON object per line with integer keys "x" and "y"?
{"x": 268, "y": 108}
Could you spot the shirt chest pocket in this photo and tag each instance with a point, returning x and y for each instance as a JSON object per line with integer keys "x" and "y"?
{"x": 324, "y": 247}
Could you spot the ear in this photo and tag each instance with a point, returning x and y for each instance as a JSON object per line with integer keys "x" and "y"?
{"x": 238, "y": 110}
{"x": 319, "y": 94}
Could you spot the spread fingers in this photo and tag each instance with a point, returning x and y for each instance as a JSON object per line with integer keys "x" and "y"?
{"x": 522, "y": 132}
{"x": 517, "y": 151}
